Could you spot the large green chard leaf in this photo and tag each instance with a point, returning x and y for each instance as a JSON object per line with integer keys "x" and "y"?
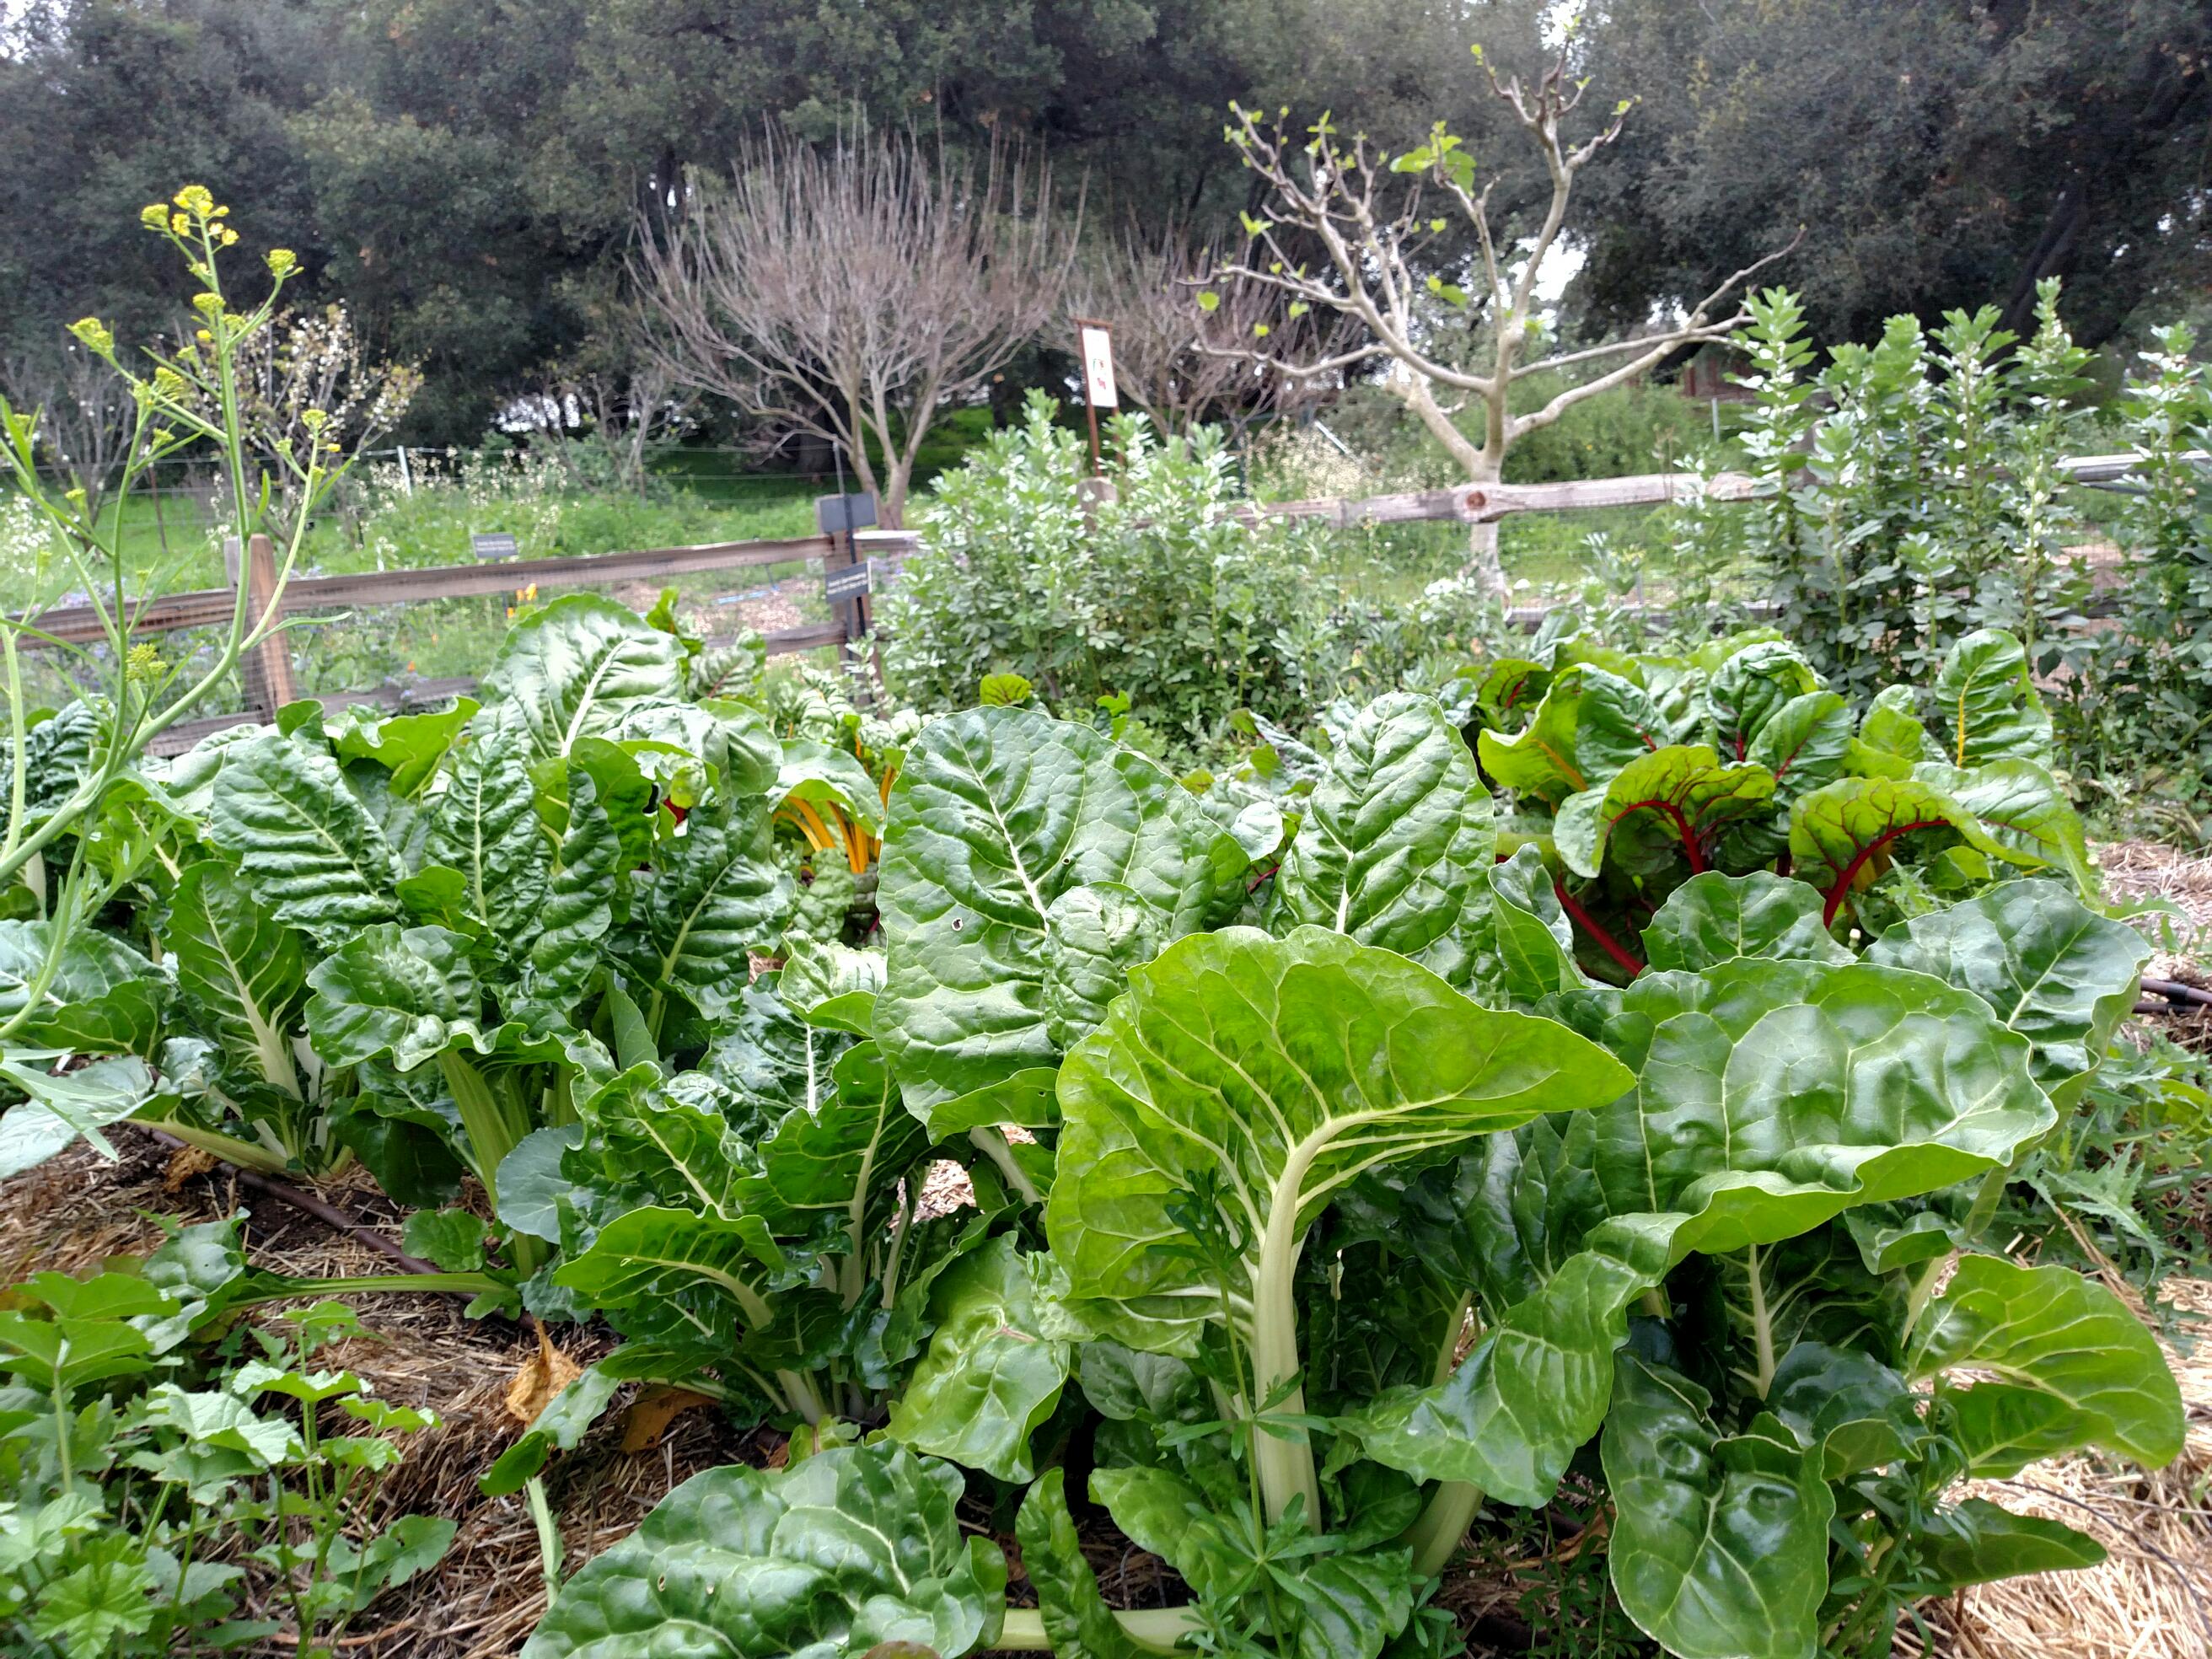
{"x": 1393, "y": 836}
{"x": 988, "y": 1378}
{"x": 574, "y": 668}
{"x": 1254, "y": 1078}
{"x": 832, "y": 984}
{"x": 242, "y": 972}
{"x": 1534, "y": 1387}
{"x": 1521, "y": 950}
{"x": 838, "y": 1159}
{"x": 1774, "y": 1095}
{"x": 582, "y": 896}
{"x": 1840, "y": 835}
{"x": 1280, "y": 1069}
{"x": 2055, "y": 971}
{"x": 714, "y": 895}
{"x": 1988, "y": 707}
{"x": 1590, "y": 724}
{"x": 2023, "y": 809}
{"x": 1094, "y": 934}
{"x": 486, "y": 826}
{"x": 2048, "y": 1331}
{"x": 1076, "y": 1619}
{"x": 104, "y": 997}
{"x": 1891, "y": 739}
{"x": 1676, "y": 802}
{"x": 1750, "y": 688}
{"x": 1713, "y": 918}
{"x": 855, "y": 1546}
{"x": 1803, "y": 743}
{"x": 307, "y": 849}
{"x": 408, "y": 993}
{"x": 1720, "y": 1542}
{"x": 996, "y": 814}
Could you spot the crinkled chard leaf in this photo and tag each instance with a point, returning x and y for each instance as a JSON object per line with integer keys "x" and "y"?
{"x": 307, "y": 849}
{"x": 1720, "y": 1542}
{"x": 574, "y": 669}
{"x": 2052, "y": 1332}
{"x": 1077, "y": 1621}
{"x": 485, "y": 825}
{"x": 853, "y": 1546}
{"x": 1715, "y": 918}
{"x": 1094, "y": 934}
{"x": 1750, "y": 688}
{"x": 715, "y": 894}
{"x": 104, "y": 997}
{"x": 2053, "y": 969}
{"x": 2023, "y": 809}
{"x": 1677, "y": 802}
{"x": 241, "y": 971}
{"x": 1393, "y": 836}
{"x": 1520, "y": 947}
{"x": 987, "y": 1379}
{"x": 996, "y": 813}
{"x": 1987, "y": 706}
{"x": 1840, "y": 836}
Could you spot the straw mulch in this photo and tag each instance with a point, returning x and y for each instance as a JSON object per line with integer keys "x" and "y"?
{"x": 2150, "y": 869}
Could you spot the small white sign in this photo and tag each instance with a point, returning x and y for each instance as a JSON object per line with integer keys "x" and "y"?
{"x": 1098, "y": 366}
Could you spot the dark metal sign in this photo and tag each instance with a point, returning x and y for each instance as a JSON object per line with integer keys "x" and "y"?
{"x": 847, "y": 582}
{"x": 498, "y": 544}
{"x": 841, "y": 515}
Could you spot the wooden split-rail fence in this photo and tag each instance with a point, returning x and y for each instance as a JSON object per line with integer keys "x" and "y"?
{"x": 268, "y": 675}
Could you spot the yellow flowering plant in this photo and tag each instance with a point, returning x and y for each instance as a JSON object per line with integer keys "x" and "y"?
{"x": 64, "y": 813}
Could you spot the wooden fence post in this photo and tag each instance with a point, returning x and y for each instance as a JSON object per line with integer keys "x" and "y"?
{"x": 266, "y": 668}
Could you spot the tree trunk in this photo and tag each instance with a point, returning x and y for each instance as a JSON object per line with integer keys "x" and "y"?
{"x": 1483, "y": 564}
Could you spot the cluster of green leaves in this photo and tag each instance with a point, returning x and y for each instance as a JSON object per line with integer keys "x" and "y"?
{"x": 1637, "y": 774}
{"x": 1344, "y": 1203}
{"x": 1162, "y": 595}
{"x": 168, "y": 1476}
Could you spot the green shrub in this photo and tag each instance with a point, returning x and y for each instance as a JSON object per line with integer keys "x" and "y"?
{"x": 1164, "y": 598}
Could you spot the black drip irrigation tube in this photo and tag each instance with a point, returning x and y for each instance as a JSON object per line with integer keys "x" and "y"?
{"x": 2181, "y": 1000}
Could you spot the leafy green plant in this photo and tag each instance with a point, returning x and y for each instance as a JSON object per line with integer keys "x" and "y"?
{"x": 1380, "y": 1213}
{"x": 140, "y": 1508}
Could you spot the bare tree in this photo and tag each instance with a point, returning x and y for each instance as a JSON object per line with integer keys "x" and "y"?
{"x": 85, "y": 416}
{"x": 848, "y": 291}
{"x": 1344, "y": 199}
{"x": 1180, "y": 366}
{"x": 310, "y": 379}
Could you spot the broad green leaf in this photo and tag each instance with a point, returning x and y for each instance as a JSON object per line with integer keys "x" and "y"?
{"x": 1846, "y": 1405}
{"x": 996, "y": 813}
{"x": 1163, "y": 1513}
{"x": 1840, "y": 836}
{"x": 220, "y": 1421}
{"x": 1273, "y": 1070}
{"x": 1094, "y": 934}
{"x": 1534, "y": 1387}
{"x": 1774, "y": 1095}
{"x": 104, "y": 997}
{"x": 59, "y": 1356}
{"x": 409, "y": 746}
{"x": 1713, "y": 918}
{"x": 308, "y": 850}
{"x": 714, "y": 895}
{"x": 1891, "y": 739}
{"x": 582, "y": 895}
{"x": 1674, "y": 803}
{"x": 60, "y": 1109}
{"x": 89, "y": 1610}
{"x": 1750, "y": 688}
{"x": 409, "y": 993}
{"x": 1521, "y": 948}
{"x": 241, "y": 971}
{"x": 1589, "y": 724}
{"x": 1350, "y": 1607}
{"x": 832, "y": 984}
{"x": 1077, "y": 1621}
{"x": 1987, "y": 706}
{"x": 1976, "y": 1542}
{"x": 838, "y": 1160}
{"x": 2050, "y": 1329}
{"x": 574, "y": 668}
{"x": 1393, "y": 837}
{"x": 2023, "y": 809}
{"x": 988, "y": 1379}
{"x": 1803, "y": 743}
{"x": 1720, "y": 1542}
{"x": 666, "y": 1262}
{"x": 2055, "y": 971}
{"x": 853, "y": 1546}
{"x": 485, "y": 825}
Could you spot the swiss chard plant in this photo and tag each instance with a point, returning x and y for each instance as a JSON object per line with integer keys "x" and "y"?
{"x": 1361, "y": 1209}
